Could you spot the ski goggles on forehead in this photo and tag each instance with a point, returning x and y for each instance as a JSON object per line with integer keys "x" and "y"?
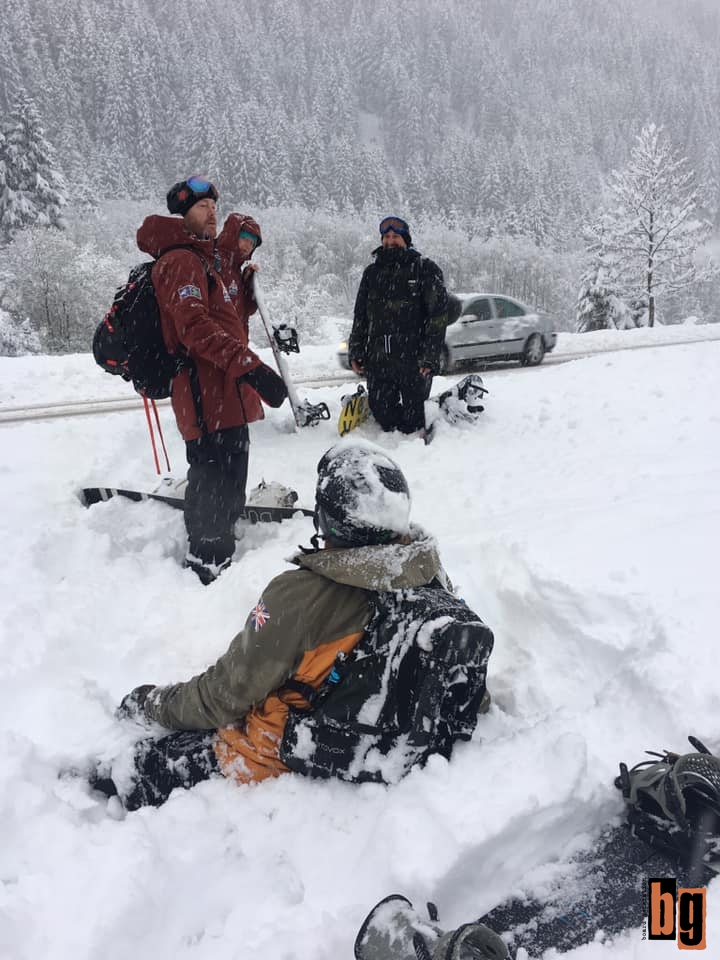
{"x": 199, "y": 185}
{"x": 247, "y": 235}
{"x": 395, "y": 224}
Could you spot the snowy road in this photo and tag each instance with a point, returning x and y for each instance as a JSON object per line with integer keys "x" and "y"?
{"x": 322, "y": 369}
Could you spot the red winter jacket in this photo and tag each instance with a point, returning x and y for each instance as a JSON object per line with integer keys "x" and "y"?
{"x": 239, "y": 286}
{"x": 197, "y": 314}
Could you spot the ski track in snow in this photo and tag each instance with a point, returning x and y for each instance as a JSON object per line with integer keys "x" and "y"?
{"x": 580, "y": 519}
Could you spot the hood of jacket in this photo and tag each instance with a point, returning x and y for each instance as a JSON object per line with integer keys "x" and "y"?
{"x": 393, "y": 566}
{"x": 227, "y": 239}
{"x": 156, "y": 234}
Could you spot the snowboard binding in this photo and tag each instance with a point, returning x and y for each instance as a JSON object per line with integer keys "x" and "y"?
{"x": 271, "y": 494}
{"x": 463, "y": 401}
{"x": 394, "y": 930}
{"x": 309, "y": 414}
{"x": 286, "y": 338}
{"x": 673, "y": 803}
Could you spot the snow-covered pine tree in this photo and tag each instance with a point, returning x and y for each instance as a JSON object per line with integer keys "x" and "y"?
{"x": 598, "y": 305}
{"x": 32, "y": 190}
{"x": 652, "y": 229}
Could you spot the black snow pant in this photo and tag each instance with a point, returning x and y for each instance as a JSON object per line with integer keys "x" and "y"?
{"x": 215, "y": 494}
{"x": 181, "y": 759}
{"x": 398, "y": 402}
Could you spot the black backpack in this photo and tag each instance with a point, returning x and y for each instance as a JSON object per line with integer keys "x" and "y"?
{"x": 412, "y": 686}
{"x": 128, "y": 342}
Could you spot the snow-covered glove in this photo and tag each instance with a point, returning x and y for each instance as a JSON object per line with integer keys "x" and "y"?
{"x": 132, "y": 705}
{"x": 269, "y": 385}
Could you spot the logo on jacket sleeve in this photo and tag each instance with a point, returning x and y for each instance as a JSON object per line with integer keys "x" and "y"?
{"x": 233, "y": 289}
{"x": 189, "y": 290}
{"x": 259, "y": 615}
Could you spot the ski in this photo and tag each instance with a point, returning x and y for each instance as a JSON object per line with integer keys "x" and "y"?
{"x": 284, "y": 339}
{"x": 173, "y": 496}
{"x": 355, "y": 410}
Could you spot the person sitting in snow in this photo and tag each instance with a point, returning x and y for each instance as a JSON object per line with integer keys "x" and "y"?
{"x": 230, "y": 719}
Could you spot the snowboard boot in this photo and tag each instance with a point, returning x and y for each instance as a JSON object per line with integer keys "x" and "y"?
{"x": 207, "y": 573}
{"x": 100, "y": 781}
{"x": 393, "y": 930}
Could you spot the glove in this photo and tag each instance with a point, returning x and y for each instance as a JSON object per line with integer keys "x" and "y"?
{"x": 132, "y": 705}
{"x": 269, "y": 385}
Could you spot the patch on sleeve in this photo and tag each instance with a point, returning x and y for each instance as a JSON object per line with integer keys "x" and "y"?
{"x": 189, "y": 290}
{"x": 260, "y": 615}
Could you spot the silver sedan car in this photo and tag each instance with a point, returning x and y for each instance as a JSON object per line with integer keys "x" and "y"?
{"x": 490, "y": 326}
{"x": 495, "y": 327}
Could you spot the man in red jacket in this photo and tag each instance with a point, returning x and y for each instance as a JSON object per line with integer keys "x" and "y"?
{"x": 219, "y": 393}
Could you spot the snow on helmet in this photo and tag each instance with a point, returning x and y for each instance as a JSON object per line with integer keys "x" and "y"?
{"x": 362, "y": 497}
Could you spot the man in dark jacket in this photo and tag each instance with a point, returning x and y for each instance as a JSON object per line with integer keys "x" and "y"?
{"x": 230, "y": 719}
{"x": 398, "y": 328}
{"x": 219, "y": 393}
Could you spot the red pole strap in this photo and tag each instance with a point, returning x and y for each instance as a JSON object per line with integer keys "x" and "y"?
{"x": 152, "y": 435}
{"x": 160, "y": 434}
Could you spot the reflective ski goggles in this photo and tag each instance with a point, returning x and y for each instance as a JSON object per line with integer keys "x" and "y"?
{"x": 246, "y": 235}
{"x": 203, "y": 187}
{"x": 395, "y": 224}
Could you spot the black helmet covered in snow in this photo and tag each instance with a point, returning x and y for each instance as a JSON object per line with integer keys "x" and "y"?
{"x": 362, "y": 496}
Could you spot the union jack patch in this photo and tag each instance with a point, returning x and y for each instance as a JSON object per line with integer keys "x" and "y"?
{"x": 189, "y": 290}
{"x": 260, "y": 615}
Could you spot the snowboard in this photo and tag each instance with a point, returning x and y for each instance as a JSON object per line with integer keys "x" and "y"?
{"x": 305, "y": 414}
{"x": 601, "y": 890}
{"x": 354, "y": 411}
{"x": 267, "y": 503}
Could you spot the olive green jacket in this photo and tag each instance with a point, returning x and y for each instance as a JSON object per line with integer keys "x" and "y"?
{"x": 327, "y": 598}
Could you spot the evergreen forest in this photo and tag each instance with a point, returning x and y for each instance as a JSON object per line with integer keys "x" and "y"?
{"x": 494, "y": 128}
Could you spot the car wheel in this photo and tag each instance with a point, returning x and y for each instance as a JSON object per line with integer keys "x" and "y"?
{"x": 445, "y": 366}
{"x": 534, "y": 351}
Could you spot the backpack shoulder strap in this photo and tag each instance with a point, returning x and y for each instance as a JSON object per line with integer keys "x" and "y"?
{"x": 184, "y": 246}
